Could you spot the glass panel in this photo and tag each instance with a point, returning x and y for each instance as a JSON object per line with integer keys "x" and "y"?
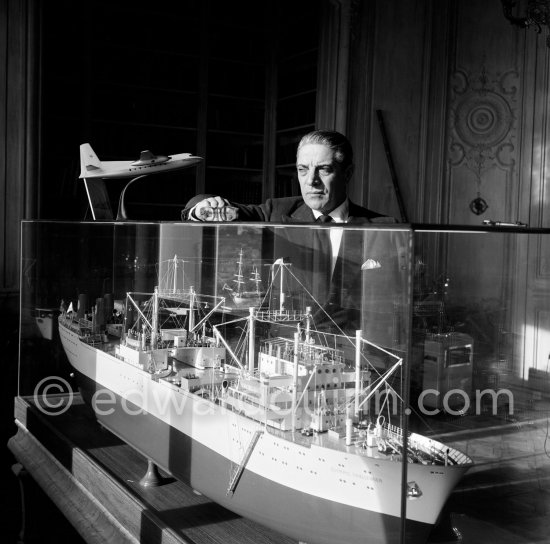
{"x": 480, "y": 377}
{"x": 273, "y": 353}
{"x": 239, "y": 342}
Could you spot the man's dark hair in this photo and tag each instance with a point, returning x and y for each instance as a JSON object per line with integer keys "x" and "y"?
{"x": 343, "y": 152}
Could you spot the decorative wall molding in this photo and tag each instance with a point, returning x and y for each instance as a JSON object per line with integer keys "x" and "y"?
{"x": 482, "y": 125}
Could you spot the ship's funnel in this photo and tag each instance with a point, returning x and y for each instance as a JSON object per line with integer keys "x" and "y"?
{"x": 82, "y": 305}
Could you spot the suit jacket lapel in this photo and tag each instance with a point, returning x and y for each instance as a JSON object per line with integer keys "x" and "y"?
{"x": 302, "y": 214}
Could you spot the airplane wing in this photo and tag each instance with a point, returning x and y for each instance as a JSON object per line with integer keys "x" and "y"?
{"x": 89, "y": 161}
{"x": 147, "y": 158}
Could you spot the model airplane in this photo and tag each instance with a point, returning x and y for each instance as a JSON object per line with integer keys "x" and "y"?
{"x": 148, "y": 163}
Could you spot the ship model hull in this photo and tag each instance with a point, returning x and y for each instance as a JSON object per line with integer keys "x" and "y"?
{"x": 290, "y": 484}
{"x": 281, "y": 508}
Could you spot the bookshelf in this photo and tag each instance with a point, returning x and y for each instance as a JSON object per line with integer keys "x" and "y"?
{"x": 296, "y": 91}
{"x": 233, "y": 83}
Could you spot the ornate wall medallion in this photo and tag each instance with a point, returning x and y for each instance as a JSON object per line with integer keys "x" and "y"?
{"x": 481, "y": 125}
{"x": 478, "y": 206}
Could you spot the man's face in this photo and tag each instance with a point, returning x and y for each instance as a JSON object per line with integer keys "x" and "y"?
{"x": 322, "y": 179}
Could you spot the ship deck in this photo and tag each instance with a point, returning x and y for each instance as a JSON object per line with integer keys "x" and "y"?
{"x": 327, "y": 439}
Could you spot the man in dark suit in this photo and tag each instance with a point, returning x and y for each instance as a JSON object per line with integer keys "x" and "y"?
{"x": 327, "y": 261}
{"x": 324, "y": 164}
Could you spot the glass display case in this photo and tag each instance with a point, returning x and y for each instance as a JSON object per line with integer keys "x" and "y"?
{"x": 337, "y": 384}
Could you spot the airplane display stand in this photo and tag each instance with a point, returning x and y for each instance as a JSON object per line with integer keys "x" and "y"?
{"x": 94, "y": 172}
{"x": 98, "y": 199}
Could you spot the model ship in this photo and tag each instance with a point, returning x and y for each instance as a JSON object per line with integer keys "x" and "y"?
{"x": 275, "y": 303}
{"x": 45, "y": 320}
{"x": 239, "y": 294}
{"x": 278, "y": 429}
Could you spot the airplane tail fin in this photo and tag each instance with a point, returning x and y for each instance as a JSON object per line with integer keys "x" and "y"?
{"x": 88, "y": 160}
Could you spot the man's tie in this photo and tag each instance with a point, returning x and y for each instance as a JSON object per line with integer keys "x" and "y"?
{"x": 324, "y": 219}
{"x": 322, "y": 250}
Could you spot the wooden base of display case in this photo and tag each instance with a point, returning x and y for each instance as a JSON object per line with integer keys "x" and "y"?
{"x": 93, "y": 478}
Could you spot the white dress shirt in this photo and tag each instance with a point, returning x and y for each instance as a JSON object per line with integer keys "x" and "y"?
{"x": 339, "y": 215}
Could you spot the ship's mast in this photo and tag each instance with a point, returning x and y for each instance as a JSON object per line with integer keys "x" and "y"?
{"x": 251, "y": 343}
{"x": 295, "y": 382}
{"x": 191, "y": 323}
{"x": 154, "y": 320}
{"x": 125, "y": 322}
{"x": 239, "y": 275}
{"x": 175, "y": 284}
{"x": 168, "y": 280}
{"x": 256, "y": 279}
{"x": 357, "y": 370}
{"x": 281, "y": 288}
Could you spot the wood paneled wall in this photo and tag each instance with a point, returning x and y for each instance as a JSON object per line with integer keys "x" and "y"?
{"x": 387, "y": 74}
{"x": 19, "y": 162}
{"x": 18, "y": 167}
{"x": 465, "y": 97}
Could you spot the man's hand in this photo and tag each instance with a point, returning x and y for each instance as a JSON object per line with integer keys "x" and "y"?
{"x": 213, "y": 208}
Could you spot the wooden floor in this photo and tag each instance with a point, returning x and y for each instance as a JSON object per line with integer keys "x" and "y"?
{"x": 505, "y": 498}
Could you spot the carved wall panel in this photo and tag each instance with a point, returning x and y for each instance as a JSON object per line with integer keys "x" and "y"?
{"x": 482, "y": 144}
{"x": 479, "y": 180}
{"x": 465, "y": 97}
{"x": 495, "y": 166}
